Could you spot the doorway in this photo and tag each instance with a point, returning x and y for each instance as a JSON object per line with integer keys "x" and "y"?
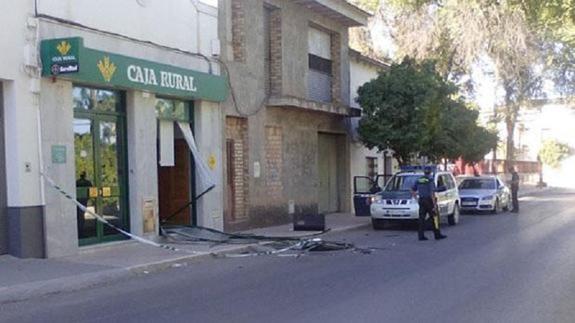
{"x": 101, "y": 164}
{"x": 175, "y": 165}
{"x": 329, "y": 171}
{"x": 3, "y": 188}
{"x": 236, "y": 194}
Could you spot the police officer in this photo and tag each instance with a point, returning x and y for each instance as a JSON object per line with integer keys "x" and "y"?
{"x": 425, "y": 188}
{"x": 514, "y": 189}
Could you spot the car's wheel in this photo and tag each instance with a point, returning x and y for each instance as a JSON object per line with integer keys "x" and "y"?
{"x": 496, "y": 207}
{"x": 378, "y": 224}
{"x": 505, "y": 208}
{"x": 509, "y": 205}
{"x": 453, "y": 218}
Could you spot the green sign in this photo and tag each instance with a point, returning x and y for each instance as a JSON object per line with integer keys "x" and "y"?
{"x": 68, "y": 58}
{"x": 58, "y": 154}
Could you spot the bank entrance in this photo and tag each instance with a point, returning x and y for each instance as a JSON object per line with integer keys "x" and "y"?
{"x": 101, "y": 164}
{"x": 175, "y": 163}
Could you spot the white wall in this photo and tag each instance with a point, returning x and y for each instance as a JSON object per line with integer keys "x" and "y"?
{"x": 21, "y": 103}
{"x": 185, "y": 24}
{"x": 550, "y": 122}
{"x": 360, "y": 73}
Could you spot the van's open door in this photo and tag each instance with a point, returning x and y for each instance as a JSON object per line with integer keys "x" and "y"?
{"x": 364, "y": 188}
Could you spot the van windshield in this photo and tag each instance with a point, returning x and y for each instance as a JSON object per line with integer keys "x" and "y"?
{"x": 401, "y": 183}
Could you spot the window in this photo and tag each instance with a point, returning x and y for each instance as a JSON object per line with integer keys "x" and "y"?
{"x": 449, "y": 182}
{"x": 440, "y": 181}
{"x": 371, "y": 167}
{"x": 267, "y": 47}
{"x": 320, "y": 65}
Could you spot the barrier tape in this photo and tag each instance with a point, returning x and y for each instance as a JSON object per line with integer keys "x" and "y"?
{"x": 103, "y": 220}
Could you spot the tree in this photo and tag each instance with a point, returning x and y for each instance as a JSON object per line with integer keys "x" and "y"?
{"x": 552, "y": 153}
{"x": 513, "y": 37}
{"x": 411, "y": 109}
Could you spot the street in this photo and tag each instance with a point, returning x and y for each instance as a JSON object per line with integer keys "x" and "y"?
{"x": 492, "y": 268}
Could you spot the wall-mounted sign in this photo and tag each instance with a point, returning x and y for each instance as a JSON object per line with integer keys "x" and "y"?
{"x": 68, "y": 58}
{"x": 212, "y": 162}
{"x": 58, "y": 154}
{"x": 63, "y": 57}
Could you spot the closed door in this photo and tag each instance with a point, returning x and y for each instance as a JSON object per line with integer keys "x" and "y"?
{"x": 100, "y": 159}
{"x": 328, "y": 174}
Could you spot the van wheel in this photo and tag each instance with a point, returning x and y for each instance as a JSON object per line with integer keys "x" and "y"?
{"x": 453, "y": 218}
{"x": 378, "y": 224}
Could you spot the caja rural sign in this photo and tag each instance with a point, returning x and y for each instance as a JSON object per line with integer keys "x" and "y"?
{"x": 68, "y": 58}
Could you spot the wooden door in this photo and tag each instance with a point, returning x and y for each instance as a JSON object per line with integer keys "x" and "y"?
{"x": 174, "y": 187}
{"x": 328, "y": 174}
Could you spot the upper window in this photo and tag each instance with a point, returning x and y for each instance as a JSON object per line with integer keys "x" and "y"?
{"x": 320, "y": 65}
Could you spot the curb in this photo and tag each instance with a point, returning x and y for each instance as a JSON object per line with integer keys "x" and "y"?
{"x": 36, "y": 289}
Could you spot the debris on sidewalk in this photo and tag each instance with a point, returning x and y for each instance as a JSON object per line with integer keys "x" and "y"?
{"x": 258, "y": 245}
{"x": 194, "y": 234}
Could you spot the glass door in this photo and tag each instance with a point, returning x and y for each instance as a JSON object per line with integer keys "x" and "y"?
{"x": 100, "y": 166}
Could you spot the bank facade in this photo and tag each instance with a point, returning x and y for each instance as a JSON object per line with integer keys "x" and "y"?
{"x": 286, "y": 141}
{"x": 119, "y": 119}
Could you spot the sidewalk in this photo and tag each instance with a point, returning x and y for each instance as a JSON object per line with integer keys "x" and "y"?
{"x": 24, "y": 278}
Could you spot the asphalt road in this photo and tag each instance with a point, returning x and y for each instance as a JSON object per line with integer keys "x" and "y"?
{"x": 503, "y": 268}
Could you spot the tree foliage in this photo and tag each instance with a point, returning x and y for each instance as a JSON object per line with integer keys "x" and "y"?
{"x": 517, "y": 38}
{"x": 412, "y": 110}
{"x": 552, "y": 153}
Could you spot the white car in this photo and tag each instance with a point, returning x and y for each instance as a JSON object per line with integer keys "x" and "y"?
{"x": 395, "y": 202}
{"x": 484, "y": 193}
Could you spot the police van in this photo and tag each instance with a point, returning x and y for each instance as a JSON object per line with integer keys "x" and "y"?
{"x": 396, "y": 203}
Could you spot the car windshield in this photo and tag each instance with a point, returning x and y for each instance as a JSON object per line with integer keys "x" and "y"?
{"x": 401, "y": 183}
{"x": 477, "y": 184}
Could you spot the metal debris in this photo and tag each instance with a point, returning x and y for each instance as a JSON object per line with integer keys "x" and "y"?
{"x": 258, "y": 245}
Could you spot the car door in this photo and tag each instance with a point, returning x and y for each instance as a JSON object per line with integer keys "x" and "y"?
{"x": 362, "y": 193}
{"x": 502, "y": 192}
{"x": 442, "y": 197}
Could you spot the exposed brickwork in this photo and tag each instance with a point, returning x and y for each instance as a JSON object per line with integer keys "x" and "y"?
{"x": 274, "y": 162}
{"x": 275, "y": 52}
{"x": 336, "y": 67}
{"x": 236, "y": 133}
{"x": 239, "y": 30}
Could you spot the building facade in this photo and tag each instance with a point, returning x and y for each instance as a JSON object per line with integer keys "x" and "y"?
{"x": 107, "y": 105}
{"x": 364, "y": 161}
{"x": 286, "y": 143}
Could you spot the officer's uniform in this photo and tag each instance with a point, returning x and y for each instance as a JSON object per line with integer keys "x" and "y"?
{"x": 514, "y": 191}
{"x": 425, "y": 188}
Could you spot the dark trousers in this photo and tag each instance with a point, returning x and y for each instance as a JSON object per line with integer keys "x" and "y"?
{"x": 515, "y": 199}
{"x": 426, "y": 206}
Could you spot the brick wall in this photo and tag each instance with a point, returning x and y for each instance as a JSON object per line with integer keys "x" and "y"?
{"x": 275, "y": 52}
{"x": 236, "y": 134}
{"x": 274, "y": 162}
{"x": 336, "y": 67}
{"x": 239, "y": 30}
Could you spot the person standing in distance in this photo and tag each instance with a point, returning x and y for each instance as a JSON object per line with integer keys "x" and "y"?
{"x": 424, "y": 187}
{"x": 514, "y": 189}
